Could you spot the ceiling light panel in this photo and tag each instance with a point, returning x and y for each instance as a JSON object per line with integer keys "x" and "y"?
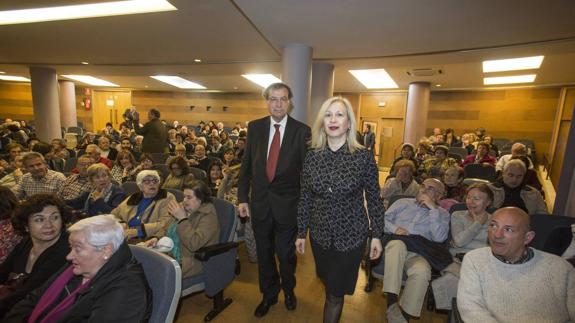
{"x": 512, "y": 64}
{"x": 90, "y": 80}
{"x": 528, "y": 78}
{"x": 374, "y": 79}
{"x": 14, "y": 78}
{"x": 114, "y": 8}
{"x": 263, "y": 80}
{"x": 178, "y": 82}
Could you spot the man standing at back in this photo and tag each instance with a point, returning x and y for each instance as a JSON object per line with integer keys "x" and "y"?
{"x": 270, "y": 181}
{"x": 154, "y": 132}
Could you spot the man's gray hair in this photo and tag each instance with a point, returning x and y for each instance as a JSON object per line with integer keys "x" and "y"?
{"x": 100, "y": 230}
{"x": 515, "y": 163}
{"x": 277, "y": 86}
{"x": 145, "y": 173}
{"x": 32, "y": 155}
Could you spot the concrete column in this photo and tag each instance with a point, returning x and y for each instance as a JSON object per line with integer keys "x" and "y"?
{"x": 296, "y": 72}
{"x": 321, "y": 87}
{"x": 416, "y": 112}
{"x": 68, "y": 104}
{"x": 45, "y": 101}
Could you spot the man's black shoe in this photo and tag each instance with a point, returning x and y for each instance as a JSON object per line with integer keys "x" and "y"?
{"x": 290, "y": 301}
{"x": 264, "y": 307}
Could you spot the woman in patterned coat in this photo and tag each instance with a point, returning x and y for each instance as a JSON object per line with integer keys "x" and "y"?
{"x": 337, "y": 172}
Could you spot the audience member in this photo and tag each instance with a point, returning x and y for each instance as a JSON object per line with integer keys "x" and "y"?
{"x": 229, "y": 159}
{"x": 105, "y": 150}
{"x": 467, "y": 141}
{"x": 39, "y": 179}
{"x": 422, "y": 217}
{"x": 481, "y": 156}
{"x": 468, "y": 232}
{"x": 518, "y": 149}
{"x": 512, "y": 191}
{"x": 424, "y": 151}
{"x": 104, "y": 282}
{"x": 145, "y": 213}
{"x": 58, "y": 150}
{"x": 436, "y": 166}
{"x": 179, "y": 173}
{"x": 76, "y": 184}
{"x": 530, "y": 178}
{"x": 451, "y": 139}
{"x": 215, "y": 176}
{"x": 492, "y": 147}
{"x": 199, "y": 159}
{"x": 402, "y": 184}
{"x": 454, "y": 188}
{"x": 433, "y": 137}
{"x": 93, "y": 151}
{"x": 42, "y": 221}
{"x": 239, "y": 149}
{"x": 146, "y": 163}
{"x": 196, "y": 226}
{"x": 10, "y": 238}
{"x": 124, "y": 164}
{"x": 510, "y": 282}
{"x": 155, "y": 134}
{"x": 15, "y": 177}
{"x": 407, "y": 153}
{"x": 103, "y": 196}
{"x": 14, "y": 150}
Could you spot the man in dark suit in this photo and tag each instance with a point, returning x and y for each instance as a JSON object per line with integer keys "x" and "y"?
{"x": 281, "y": 141}
{"x": 368, "y": 138}
{"x": 154, "y": 132}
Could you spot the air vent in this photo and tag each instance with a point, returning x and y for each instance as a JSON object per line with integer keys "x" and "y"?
{"x": 424, "y": 72}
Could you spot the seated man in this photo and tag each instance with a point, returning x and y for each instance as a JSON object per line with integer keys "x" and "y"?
{"x": 512, "y": 191}
{"x": 105, "y": 150}
{"x": 420, "y": 216}
{"x": 402, "y": 184}
{"x": 510, "y": 282}
{"x": 518, "y": 149}
{"x": 39, "y": 178}
{"x": 94, "y": 152}
{"x": 76, "y": 184}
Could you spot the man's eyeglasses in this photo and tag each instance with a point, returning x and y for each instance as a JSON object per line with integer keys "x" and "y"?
{"x": 283, "y": 99}
{"x": 151, "y": 181}
{"x": 425, "y": 188}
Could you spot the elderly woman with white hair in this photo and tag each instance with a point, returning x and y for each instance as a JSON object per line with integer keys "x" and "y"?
{"x": 145, "y": 213}
{"x": 103, "y": 283}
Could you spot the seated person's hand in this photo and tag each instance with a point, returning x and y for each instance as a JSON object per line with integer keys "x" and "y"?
{"x": 95, "y": 195}
{"x": 151, "y": 243}
{"x": 300, "y": 246}
{"x": 131, "y": 233}
{"x": 427, "y": 201}
{"x": 177, "y": 210}
{"x": 401, "y": 231}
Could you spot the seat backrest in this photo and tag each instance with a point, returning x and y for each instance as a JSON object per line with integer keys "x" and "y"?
{"x": 198, "y": 173}
{"x": 163, "y": 169}
{"x": 470, "y": 181}
{"x": 130, "y": 188}
{"x": 479, "y": 171}
{"x": 228, "y": 220}
{"x": 70, "y": 164}
{"x": 164, "y": 276}
{"x": 179, "y": 195}
{"x": 458, "y": 150}
{"x": 544, "y": 225}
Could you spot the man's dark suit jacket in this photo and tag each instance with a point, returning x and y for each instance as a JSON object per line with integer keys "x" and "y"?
{"x": 282, "y": 194}
{"x": 369, "y": 140}
{"x": 155, "y": 136}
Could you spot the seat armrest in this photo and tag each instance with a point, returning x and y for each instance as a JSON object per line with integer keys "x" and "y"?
{"x": 205, "y": 253}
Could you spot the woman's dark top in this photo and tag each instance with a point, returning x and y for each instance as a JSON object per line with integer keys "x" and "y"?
{"x": 103, "y": 205}
{"x": 332, "y": 198}
{"x": 119, "y": 292}
{"x": 49, "y": 262}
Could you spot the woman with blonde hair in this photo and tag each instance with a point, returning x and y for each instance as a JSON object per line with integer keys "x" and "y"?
{"x": 337, "y": 172}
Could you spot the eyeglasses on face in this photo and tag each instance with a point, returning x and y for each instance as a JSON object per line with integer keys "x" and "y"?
{"x": 150, "y": 181}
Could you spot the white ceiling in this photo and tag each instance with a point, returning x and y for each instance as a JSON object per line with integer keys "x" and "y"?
{"x": 247, "y": 36}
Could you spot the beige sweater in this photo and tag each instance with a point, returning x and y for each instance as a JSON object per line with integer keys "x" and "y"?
{"x": 540, "y": 290}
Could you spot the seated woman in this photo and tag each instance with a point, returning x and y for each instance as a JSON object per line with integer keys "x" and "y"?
{"x": 407, "y": 153}
{"x": 42, "y": 252}
{"x": 467, "y": 141}
{"x": 179, "y": 173}
{"x": 196, "y": 226}
{"x": 215, "y": 176}
{"x": 492, "y": 147}
{"x": 229, "y": 159}
{"x": 104, "y": 196}
{"x": 454, "y": 188}
{"x": 103, "y": 283}
{"x": 10, "y": 238}
{"x": 402, "y": 184}
{"x": 424, "y": 151}
{"x": 145, "y": 213}
{"x": 469, "y": 232}
{"x": 146, "y": 163}
{"x": 451, "y": 139}
{"x": 481, "y": 156}
{"x": 124, "y": 164}
{"x": 436, "y": 166}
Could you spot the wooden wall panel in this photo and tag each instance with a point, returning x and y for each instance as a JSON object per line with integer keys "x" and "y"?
{"x": 569, "y": 104}
{"x": 557, "y": 162}
{"x": 15, "y": 101}
{"x": 512, "y": 114}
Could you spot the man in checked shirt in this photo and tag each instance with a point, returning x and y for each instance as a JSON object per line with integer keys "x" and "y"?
{"x": 39, "y": 178}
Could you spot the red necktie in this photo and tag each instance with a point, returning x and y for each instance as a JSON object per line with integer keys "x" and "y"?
{"x": 273, "y": 154}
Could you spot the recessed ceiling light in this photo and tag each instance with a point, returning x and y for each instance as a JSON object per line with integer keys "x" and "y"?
{"x": 236, "y": 88}
{"x": 178, "y": 82}
{"x": 2, "y": 72}
{"x": 103, "y": 9}
{"x": 374, "y": 79}
{"x": 197, "y": 60}
{"x": 90, "y": 80}
{"x": 146, "y": 86}
{"x": 85, "y": 63}
{"x": 438, "y": 85}
{"x": 528, "y": 78}
{"x": 14, "y": 78}
{"x": 512, "y": 64}
{"x": 263, "y": 80}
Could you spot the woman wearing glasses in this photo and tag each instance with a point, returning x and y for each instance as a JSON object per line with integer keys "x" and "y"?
{"x": 145, "y": 213}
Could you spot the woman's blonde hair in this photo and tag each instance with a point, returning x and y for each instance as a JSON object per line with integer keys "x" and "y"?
{"x": 318, "y": 135}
